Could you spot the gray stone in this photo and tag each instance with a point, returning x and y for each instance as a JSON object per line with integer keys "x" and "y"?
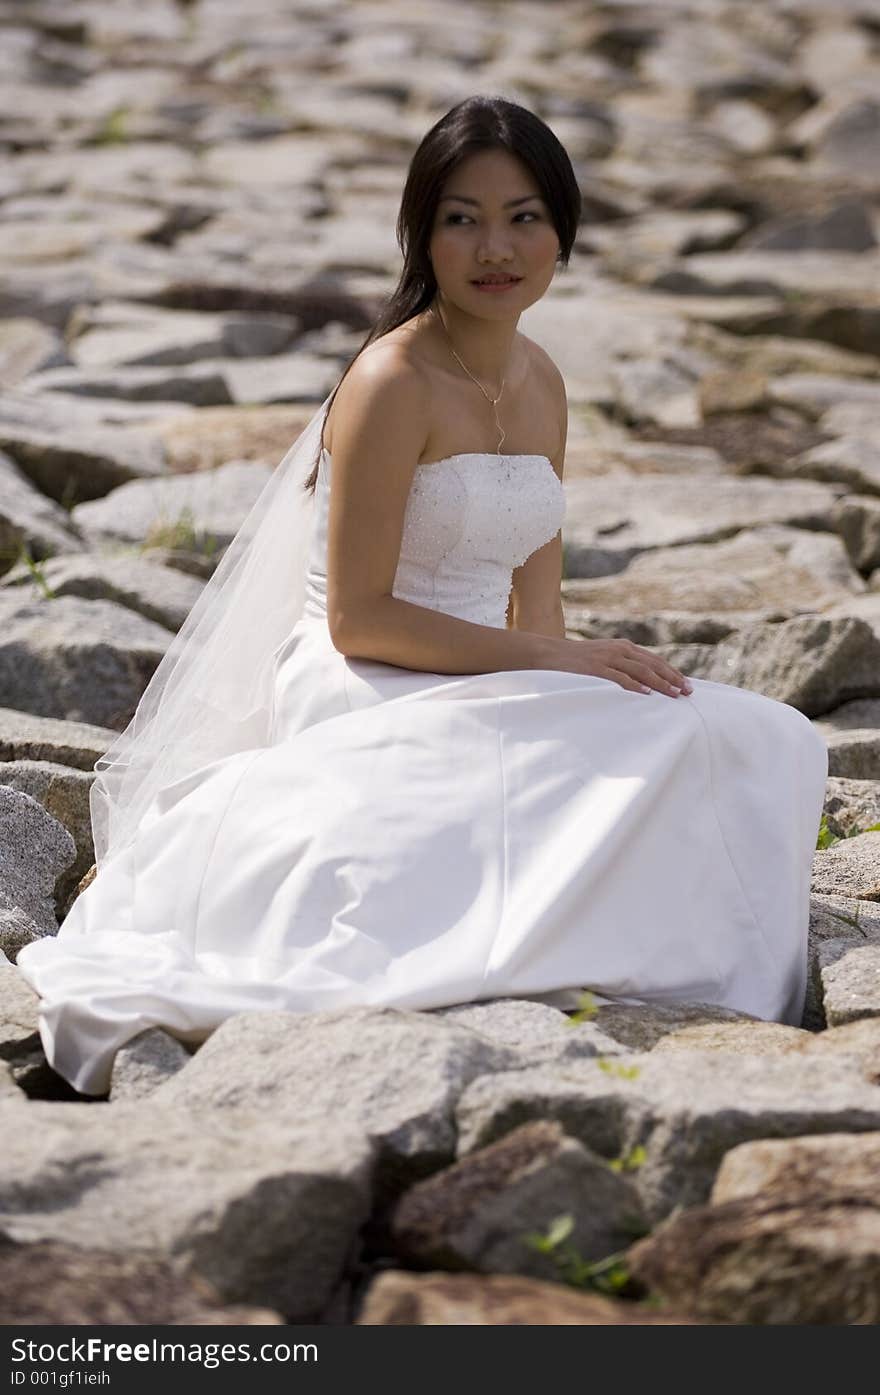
{"x": 27, "y": 737}
{"x": 211, "y": 505}
{"x": 144, "y": 1063}
{"x": 766, "y": 1260}
{"x": 267, "y": 1210}
{"x": 853, "y": 461}
{"x": 81, "y": 463}
{"x": 84, "y": 661}
{"x": 850, "y": 978}
{"x": 63, "y": 792}
{"x": 34, "y": 850}
{"x": 29, "y": 520}
{"x": 56, "y": 1284}
{"x": 397, "y": 1297}
{"x": 753, "y": 1038}
{"x": 610, "y": 520}
{"x": 857, "y": 519}
{"x": 26, "y": 346}
{"x": 812, "y": 662}
{"x": 775, "y": 570}
{"x": 478, "y": 1213}
{"x": 541, "y": 1032}
{"x": 849, "y": 868}
{"x": 685, "y": 1108}
{"x": 159, "y": 593}
{"x": 790, "y": 1167}
{"x": 397, "y": 1075}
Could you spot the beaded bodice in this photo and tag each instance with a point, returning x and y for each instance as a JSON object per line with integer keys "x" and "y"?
{"x": 470, "y": 520}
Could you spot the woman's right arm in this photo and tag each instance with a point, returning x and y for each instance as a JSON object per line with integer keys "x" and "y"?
{"x": 379, "y": 435}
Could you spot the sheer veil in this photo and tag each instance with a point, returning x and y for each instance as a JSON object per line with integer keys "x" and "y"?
{"x": 211, "y": 694}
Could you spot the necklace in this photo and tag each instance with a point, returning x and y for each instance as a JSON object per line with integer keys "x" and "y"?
{"x": 493, "y": 400}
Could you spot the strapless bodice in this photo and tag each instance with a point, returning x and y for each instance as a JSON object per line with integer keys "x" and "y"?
{"x": 470, "y": 520}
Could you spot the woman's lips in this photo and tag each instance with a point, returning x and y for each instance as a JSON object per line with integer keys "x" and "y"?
{"x": 496, "y": 285}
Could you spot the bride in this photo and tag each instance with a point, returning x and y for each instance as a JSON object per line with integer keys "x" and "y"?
{"x": 372, "y": 769}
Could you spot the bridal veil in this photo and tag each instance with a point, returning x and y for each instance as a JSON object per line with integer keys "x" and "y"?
{"x": 211, "y": 694}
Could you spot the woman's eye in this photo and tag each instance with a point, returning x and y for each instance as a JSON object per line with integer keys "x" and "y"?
{"x": 526, "y": 213}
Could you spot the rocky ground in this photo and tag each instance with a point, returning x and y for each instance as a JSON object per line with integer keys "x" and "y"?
{"x": 196, "y": 230}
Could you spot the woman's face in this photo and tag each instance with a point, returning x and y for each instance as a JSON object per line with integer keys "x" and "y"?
{"x": 491, "y": 218}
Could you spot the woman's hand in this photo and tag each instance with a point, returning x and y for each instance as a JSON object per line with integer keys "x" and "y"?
{"x": 625, "y": 663}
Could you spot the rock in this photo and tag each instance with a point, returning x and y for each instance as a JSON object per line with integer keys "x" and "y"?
{"x": 29, "y": 520}
{"x": 851, "y": 805}
{"x": 477, "y": 1213}
{"x": 399, "y": 1298}
{"x": 266, "y": 1210}
{"x": 26, "y": 346}
{"x": 859, "y": 1040}
{"x": 52, "y": 1283}
{"x": 851, "y": 461}
{"x": 63, "y": 793}
{"x": 34, "y": 850}
{"x": 764, "y": 1260}
{"x": 84, "y": 661}
{"x": 159, "y": 593}
{"x": 850, "y": 141}
{"x": 845, "y": 226}
{"x": 812, "y": 662}
{"x": 146, "y": 1062}
{"x": 202, "y": 385}
{"x": 857, "y": 519}
{"x": 854, "y": 759}
{"x": 770, "y": 571}
{"x": 831, "y": 1164}
{"x": 686, "y": 1108}
{"x": 351, "y": 1063}
{"x": 850, "y": 981}
{"x": 539, "y": 1031}
{"x": 849, "y": 868}
{"x": 756, "y": 1038}
{"x": 642, "y": 1027}
{"x": 609, "y": 521}
{"x": 124, "y": 333}
{"x": 80, "y": 463}
{"x": 27, "y": 737}
{"x": 211, "y": 436}
{"x": 19, "y": 1027}
{"x": 836, "y": 923}
{"x": 207, "y": 507}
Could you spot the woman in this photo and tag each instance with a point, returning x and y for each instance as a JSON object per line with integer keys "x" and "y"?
{"x": 446, "y": 799}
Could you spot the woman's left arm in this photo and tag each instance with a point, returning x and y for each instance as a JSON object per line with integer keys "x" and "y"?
{"x": 536, "y": 597}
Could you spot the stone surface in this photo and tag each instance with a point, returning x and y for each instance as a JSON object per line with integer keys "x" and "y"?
{"x": 762, "y": 1261}
{"x": 34, "y": 850}
{"x": 81, "y": 660}
{"x": 56, "y": 1284}
{"x": 686, "y": 1108}
{"x": 850, "y": 977}
{"x": 354, "y": 1064}
{"x": 398, "y": 1298}
{"x": 163, "y": 594}
{"x": 266, "y": 1210}
{"x": 478, "y": 1213}
{"x": 144, "y": 1063}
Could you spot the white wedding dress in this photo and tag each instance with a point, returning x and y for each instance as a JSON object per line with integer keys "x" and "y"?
{"x": 416, "y": 839}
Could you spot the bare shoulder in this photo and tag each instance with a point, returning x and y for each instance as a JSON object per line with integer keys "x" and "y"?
{"x": 542, "y": 361}
{"x": 384, "y": 389}
{"x": 552, "y": 383}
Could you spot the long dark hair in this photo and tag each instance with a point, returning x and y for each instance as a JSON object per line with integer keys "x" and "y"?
{"x": 477, "y": 123}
